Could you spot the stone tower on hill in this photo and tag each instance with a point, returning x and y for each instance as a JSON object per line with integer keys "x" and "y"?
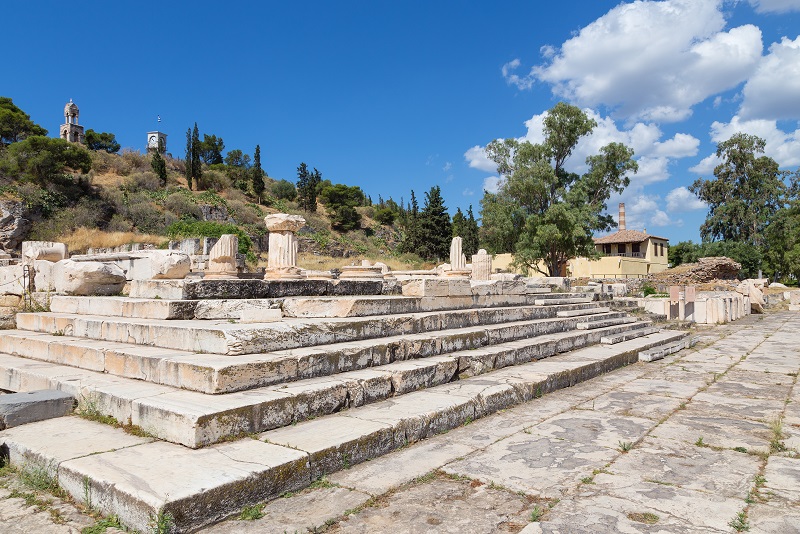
{"x": 72, "y": 131}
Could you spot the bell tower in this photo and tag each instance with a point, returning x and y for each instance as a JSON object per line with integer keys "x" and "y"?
{"x": 71, "y": 131}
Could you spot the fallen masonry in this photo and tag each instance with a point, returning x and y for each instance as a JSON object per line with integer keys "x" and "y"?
{"x": 270, "y": 384}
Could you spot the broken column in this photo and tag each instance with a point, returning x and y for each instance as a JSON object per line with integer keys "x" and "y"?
{"x": 458, "y": 262}
{"x": 222, "y": 258}
{"x": 481, "y": 265}
{"x": 282, "y": 256}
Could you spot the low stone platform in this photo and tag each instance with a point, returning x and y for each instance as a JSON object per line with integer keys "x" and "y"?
{"x": 253, "y": 289}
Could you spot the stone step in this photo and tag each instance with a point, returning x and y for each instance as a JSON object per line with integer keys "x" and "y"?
{"x": 138, "y": 479}
{"x": 584, "y": 311}
{"x": 562, "y": 296}
{"x": 628, "y": 335}
{"x": 195, "y": 420}
{"x": 214, "y": 374}
{"x": 560, "y": 301}
{"x": 308, "y": 307}
{"x": 658, "y": 353}
{"x": 602, "y": 322}
{"x": 231, "y": 338}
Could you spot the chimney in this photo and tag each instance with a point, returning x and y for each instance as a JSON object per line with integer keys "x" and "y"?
{"x": 622, "y": 216}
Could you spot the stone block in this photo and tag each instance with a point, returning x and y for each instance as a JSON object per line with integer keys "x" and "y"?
{"x": 43, "y": 275}
{"x": 31, "y": 406}
{"x": 87, "y": 278}
{"x": 260, "y": 315}
{"x": 43, "y": 250}
{"x": 425, "y": 287}
{"x": 11, "y": 280}
{"x": 794, "y": 297}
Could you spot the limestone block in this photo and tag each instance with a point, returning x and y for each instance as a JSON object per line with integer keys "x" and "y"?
{"x": 11, "y": 280}
{"x": 87, "y": 278}
{"x": 486, "y": 287}
{"x": 425, "y": 287}
{"x": 43, "y": 250}
{"x": 283, "y": 222}
{"x": 260, "y": 315}
{"x": 794, "y": 297}
{"x": 481, "y": 265}
{"x": 794, "y": 307}
{"x": 169, "y": 265}
{"x": 504, "y": 276}
{"x": 31, "y": 406}
{"x": 699, "y": 316}
{"x": 43, "y": 275}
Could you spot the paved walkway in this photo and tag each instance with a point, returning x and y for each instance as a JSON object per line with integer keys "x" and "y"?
{"x": 703, "y": 441}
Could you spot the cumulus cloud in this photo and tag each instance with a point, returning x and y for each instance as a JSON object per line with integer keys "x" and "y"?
{"x": 775, "y": 6}
{"x": 681, "y": 199}
{"x": 680, "y": 146}
{"x": 650, "y": 60}
{"x": 492, "y": 184}
{"x": 642, "y": 212}
{"x": 468, "y": 192}
{"x": 783, "y": 147}
{"x": 771, "y": 93}
{"x": 447, "y": 166}
{"x": 476, "y": 157}
{"x": 706, "y": 165}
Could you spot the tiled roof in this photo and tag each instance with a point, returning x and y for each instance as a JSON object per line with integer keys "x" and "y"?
{"x": 625, "y": 236}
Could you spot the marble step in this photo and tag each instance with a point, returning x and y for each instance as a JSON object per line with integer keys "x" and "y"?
{"x": 313, "y": 307}
{"x": 601, "y": 321}
{"x": 214, "y": 374}
{"x": 660, "y": 352}
{"x": 583, "y": 311}
{"x": 195, "y": 420}
{"x": 560, "y": 301}
{"x": 232, "y": 338}
{"x": 629, "y": 334}
{"x": 138, "y": 479}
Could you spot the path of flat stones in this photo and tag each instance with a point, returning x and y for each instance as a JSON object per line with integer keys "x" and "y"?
{"x": 705, "y": 440}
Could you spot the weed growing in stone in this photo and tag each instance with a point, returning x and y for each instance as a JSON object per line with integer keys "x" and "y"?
{"x": 739, "y": 522}
{"x": 776, "y": 444}
{"x": 163, "y": 523}
{"x": 536, "y": 513}
{"x": 625, "y": 446}
{"x": 251, "y": 513}
{"x": 700, "y": 442}
{"x": 587, "y": 480}
{"x": 100, "y": 526}
{"x": 322, "y": 482}
{"x": 740, "y": 449}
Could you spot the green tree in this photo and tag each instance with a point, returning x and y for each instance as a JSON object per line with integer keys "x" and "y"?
{"x": 238, "y": 169}
{"x": 745, "y": 194}
{"x": 197, "y": 165}
{"x": 101, "y": 141}
{"x": 189, "y": 172}
{"x": 470, "y": 243}
{"x": 211, "y": 148}
{"x": 308, "y": 187}
{"x": 340, "y": 201}
{"x": 542, "y": 212}
{"x": 410, "y": 223}
{"x": 257, "y": 174}
{"x": 45, "y": 159}
{"x": 158, "y": 164}
{"x": 435, "y": 229}
{"x": 15, "y": 124}
{"x": 284, "y": 189}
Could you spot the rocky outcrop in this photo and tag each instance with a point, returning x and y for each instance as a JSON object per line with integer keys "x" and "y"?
{"x": 14, "y": 223}
{"x": 704, "y": 271}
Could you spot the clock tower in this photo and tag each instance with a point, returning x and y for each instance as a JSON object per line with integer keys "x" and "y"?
{"x": 157, "y": 141}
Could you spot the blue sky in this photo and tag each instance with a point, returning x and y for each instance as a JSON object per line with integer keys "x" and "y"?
{"x": 394, "y": 96}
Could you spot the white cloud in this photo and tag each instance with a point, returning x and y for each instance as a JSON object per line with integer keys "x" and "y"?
{"x": 681, "y": 199}
{"x": 447, "y": 166}
{"x": 680, "y": 146}
{"x": 468, "y": 192}
{"x": 492, "y": 184}
{"x": 783, "y": 147}
{"x": 651, "y": 170}
{"x": 650, "y": 60}
{"x": 775, "y": 6}
{"x": 476, "y": 157}
{"x": 771, "y": 93}
{"x": 642, "y": 212}
{"x": 706, "y": 165}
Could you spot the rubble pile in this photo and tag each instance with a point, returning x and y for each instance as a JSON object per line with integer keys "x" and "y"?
{"x": 706, "y": 270}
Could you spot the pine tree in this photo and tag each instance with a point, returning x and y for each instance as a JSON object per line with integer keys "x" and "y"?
{"x": 188, "y": 173}
{"x": 258, "y": 174}
{"x": 307, "y": 187}
{"x": 471, "y": 243}
{"x": 435, "y": 228}
{"x": 411, "y": 239}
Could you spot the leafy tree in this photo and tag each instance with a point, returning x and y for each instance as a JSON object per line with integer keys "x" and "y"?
{"x": 158, "y": 164}
{"x": 284, "y": 189}
{"x": 745, "y": 194}
{"x": 435, "y": 229}
{"x": 15, "y": 124}
{"x": 307, "y": 187}
{"x": 341, "y": 201}
{"x": 237, "y": 167}
{"x": 782, "y": 237}
{"x": 470, "y": 244}
{"x": 748, "y": 255}
{"x": 385, "y": 216}
{"x": 258, "y": 174}
{"x": 101, "y": 141}
{"x": 411, "y": 237}
{"x": 45, "y": 159}
{"x": 542, "y": 212}
{"x": 211, "y": 148}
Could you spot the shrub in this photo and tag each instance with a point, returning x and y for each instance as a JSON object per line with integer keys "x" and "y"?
{"x": 647, "y": 290}
{"x": 187, "y": 229}
{"x": 385, "y": 216}
{"x": 214, "y": 181}
{"x": 284, "y": 190}
{"x": 183, "y": 206}
{"x": 245, "y": 213}
{"x": 142, "y": 181}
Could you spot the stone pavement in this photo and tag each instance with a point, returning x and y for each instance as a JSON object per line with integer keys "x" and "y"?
{"x": 705, "y": 440}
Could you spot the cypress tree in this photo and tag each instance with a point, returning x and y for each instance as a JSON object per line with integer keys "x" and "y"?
{"x": 197, "y": 166}
{"x": 258, "y": 174}
{"x": 158, "y": 164}
{"x": 435, "y": 228}
{"x": 471, "y": 241}
{"x": 188, "y": 172}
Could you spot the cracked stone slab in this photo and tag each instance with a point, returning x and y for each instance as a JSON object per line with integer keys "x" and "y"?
{"x": 774, "y": 518}
{"x": 690, "y": 424}
{"x": 628, "y": 403}
{"x": 537, "y": 465}
{"x": 737, "y": 406}
{"x": 662, "y": 387}
{"x": 597, "y": 429}
{"x": 677, "y": 463}
{"x": 783, "y": 479}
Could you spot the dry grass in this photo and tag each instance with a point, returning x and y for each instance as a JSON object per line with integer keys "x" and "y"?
{"x": 326, "y": 263}
{"x": 81, "y": 239}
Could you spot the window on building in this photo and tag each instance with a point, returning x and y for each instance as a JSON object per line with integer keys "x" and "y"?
{"x": 607, "y": 248}
{"x": 661, "y": 247}
{"x": 635, "y": 248}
